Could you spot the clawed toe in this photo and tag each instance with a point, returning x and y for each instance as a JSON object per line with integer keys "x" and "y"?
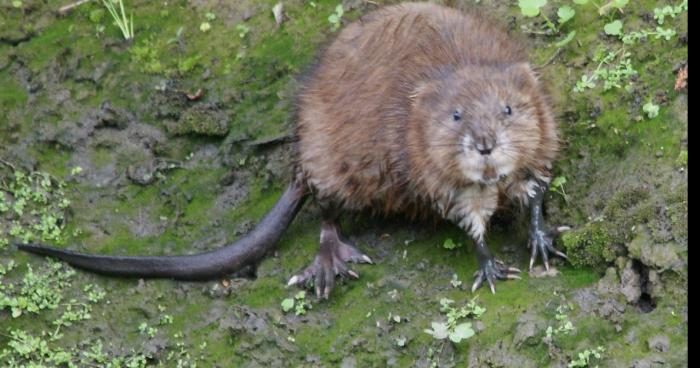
{"x": 541, "y": 242}
{"x": 327, "y": 265}
{"x": 492, "y": 270}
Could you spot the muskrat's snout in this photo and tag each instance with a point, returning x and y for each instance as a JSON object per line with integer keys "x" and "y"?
{"x": 482, "y": 144}
{"x": 485, "y": 157}
{"x": 485, "y": 145}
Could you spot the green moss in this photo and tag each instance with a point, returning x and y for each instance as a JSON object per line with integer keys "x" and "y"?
{"x": 11, "y": 94}
{"x": 589, "y": 245}
{"x": 677, "y": 212}
{"x": 682, "y": 159}
{"x": 53, "y": 161}
{"x": 628, "y": 208}
{"x": 201, "y": 120}
{"x": 101, "y": 157}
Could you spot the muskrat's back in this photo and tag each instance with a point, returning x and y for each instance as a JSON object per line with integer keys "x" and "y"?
{"x": 353, "y": 108}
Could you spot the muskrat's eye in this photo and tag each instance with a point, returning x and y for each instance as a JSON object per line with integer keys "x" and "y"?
{"x": 456, "y": 116}
{"x": 507, "y": 110}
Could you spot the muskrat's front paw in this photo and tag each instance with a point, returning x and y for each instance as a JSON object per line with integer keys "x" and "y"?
{"x": 326, "y": 266}
{"x": 541, "y": 242}
{"x": 492, "y": 270}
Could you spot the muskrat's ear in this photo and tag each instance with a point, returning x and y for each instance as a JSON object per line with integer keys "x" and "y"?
{"x": 523, "y": 75}
{"x": 425, "y": 93}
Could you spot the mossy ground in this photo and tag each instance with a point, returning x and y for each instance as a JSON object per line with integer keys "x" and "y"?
{"x": 624, "y": 172}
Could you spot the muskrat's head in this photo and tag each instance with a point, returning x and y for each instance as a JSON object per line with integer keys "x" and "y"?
{"x": 484, "y": 122}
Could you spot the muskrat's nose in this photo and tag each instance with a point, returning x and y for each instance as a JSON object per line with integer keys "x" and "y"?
{"x": 485, "y": 146}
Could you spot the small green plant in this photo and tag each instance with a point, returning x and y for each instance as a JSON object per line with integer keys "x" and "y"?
{"x": 242, "y": 30}
{"x": 613, "y": 28}
{"x": 145, "y": 329}
{"x": 46, "y": 288}
{"x": 76, "y": 170}
{"x": 32, "y": 206}
{"x": 455, "y": 281}
{"x": 633, "y": 37}
{"x": 126, "y": 25}
{"x": 452, "y": 328}
{"x": 38, "y": 290}
{"x": 287, "y": 304}
{"x": 587, "y": 357}
{"x": 334, "y": 19}
{"x": 298, "y": 303}
{"x": 178, "y": 36}
{"x": 531, "y": 8}
{"x": 557, "y": 186}
{"x": 205, "y": 27}
{"x": 651, "y": 109}
{"x": 450, "y": 244}
{"x": 613, "y": 69}
{"x": 660, "y": 14}
{"x": 565, "y": 13}
{"x": 564, "y": 324}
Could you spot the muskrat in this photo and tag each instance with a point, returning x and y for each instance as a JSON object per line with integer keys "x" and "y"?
{"x": 414, "y": 108}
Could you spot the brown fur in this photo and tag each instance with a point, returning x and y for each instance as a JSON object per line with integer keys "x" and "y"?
{"x": 373, "y": 117}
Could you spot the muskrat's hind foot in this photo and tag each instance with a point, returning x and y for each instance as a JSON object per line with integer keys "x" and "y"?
{"x": 330, "y": 262}
{"x": 541, "y": 239}
{"x": 541, "y": 242}
{"x": 491, "y": 270}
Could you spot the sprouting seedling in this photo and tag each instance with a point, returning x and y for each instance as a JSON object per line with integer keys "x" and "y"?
{"x": 126, "y": 25}
{"x": 242, "y": 30}
{"x": 532, "y": 8}
{"x": 651, "y": 109}
{"x": 455, "y": 281}
{"x": 564, "y": 325}
{"x": 558, "y": 187}
{"x": 287, "y": 304}
{"x": 298, "y": 303}
{"x": 335, "y": 18}
{"x": 450, "y": 244}
{"x": 565, "y": 13}
{"x": 76, "y": 170}
{"x": 660, "y": 32}
{"x": 451, "y": 328}
{"x": 178, "y": 36}
{"x": 611, "y": 72}
{"x": 613, "y": 28}
{"x": 585, "y": 358}
{"x": 669, "y": 11}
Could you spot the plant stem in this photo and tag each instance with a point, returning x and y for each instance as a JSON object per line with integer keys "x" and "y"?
{"x": 549, "y": 23}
